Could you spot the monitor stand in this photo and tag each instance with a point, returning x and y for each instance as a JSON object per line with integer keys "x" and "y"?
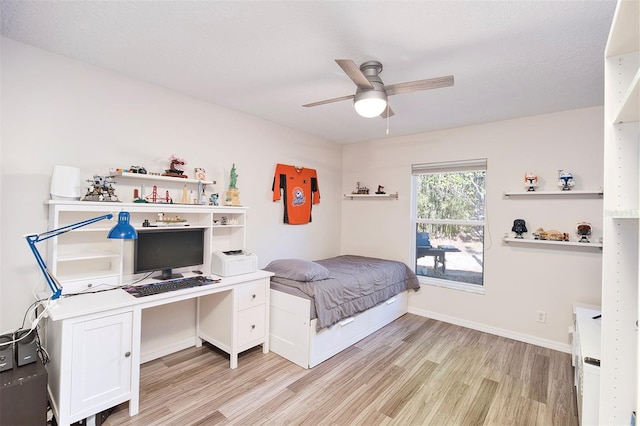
{"x": 167, "y": 274}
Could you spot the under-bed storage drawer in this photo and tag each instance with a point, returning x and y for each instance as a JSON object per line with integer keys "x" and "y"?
{"x": 387, "y": 311}
{"x": 342, "y": 331}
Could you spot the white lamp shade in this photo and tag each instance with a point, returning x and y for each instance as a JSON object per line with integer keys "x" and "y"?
{"x": 66, "y": 183}
{"x": 370, "y": 103}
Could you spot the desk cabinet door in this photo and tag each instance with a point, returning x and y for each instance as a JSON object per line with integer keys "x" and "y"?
{"x": 101, "y": 363}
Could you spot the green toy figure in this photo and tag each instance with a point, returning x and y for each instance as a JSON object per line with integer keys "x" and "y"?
{"x": 233, "y": 179}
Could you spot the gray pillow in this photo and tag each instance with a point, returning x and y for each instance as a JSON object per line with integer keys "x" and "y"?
{"x": 298, "y": 270}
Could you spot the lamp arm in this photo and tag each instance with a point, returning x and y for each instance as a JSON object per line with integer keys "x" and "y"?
{"x": 55, "y": 232}
{"x": 53, "y": 284}
{"x": 33, "y": 239}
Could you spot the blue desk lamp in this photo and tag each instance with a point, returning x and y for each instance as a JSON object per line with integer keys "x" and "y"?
{"x": 121, "y": 231}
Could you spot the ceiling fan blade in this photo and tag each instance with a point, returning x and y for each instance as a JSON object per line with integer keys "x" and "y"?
{"x": 353, "y": 72}
{"x": 414, "y": 86}
{"x": 388, "y": 112}
{"x": 328, "y": 101}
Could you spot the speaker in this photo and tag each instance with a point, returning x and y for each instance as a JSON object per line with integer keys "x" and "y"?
{"x": 23, "y": 395}
{"x": 6, "y": 352}
{"x": 65, "y": 183}
{"x": 27, "y": 348}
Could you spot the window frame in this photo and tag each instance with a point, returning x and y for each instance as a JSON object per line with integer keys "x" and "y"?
{"x": 447, "y": 167}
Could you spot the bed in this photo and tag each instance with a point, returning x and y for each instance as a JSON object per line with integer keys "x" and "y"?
{"x": 318, "y": 309}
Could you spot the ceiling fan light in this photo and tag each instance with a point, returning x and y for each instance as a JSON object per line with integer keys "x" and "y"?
{"x": 370, "y": 103}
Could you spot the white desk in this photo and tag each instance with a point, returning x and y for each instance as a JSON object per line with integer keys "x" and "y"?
{"x": 93, "y": 340}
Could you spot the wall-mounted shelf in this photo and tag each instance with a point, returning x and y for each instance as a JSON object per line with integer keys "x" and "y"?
{"x": 558, "y": 193}
{"x": 551, "y": 242}
{"x": 370, "y": 196}
{"x": 159, "y": 178}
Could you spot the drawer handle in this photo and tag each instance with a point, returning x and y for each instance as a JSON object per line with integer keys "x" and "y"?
{"x": 127, "y": 354}
{"x": 346, "y": 321}
{"x": 253, "y": 296}
{"x": 253, "y": 326}
{"x": 390, "y": 301}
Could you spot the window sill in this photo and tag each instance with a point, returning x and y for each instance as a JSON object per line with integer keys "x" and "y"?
{"x": 452, "y": 285}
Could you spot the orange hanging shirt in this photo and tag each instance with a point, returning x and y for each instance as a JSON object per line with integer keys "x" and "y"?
{"x": 298, "y": 187}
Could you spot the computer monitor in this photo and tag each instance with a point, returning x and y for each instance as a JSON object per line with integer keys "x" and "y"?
{"x": 163, "y": 249}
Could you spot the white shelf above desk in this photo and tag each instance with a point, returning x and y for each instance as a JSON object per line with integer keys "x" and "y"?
{"x": 159, "y": 178}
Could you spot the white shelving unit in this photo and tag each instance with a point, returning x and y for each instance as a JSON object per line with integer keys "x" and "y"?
{"x": 86, "y": 258}
{"x": 619, "y": 395}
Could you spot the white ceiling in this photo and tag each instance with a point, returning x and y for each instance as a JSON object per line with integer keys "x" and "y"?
{"x": 267, "y": 58}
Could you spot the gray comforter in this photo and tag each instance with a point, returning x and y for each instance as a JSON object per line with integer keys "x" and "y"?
{"x": 357, "y": 283}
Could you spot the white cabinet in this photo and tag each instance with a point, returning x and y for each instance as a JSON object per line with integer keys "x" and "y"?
{"x": 91, "y": 364}
{"x": 248, "y": 305}
{"x": 619, "y": 372}
{"x": 86, "y": 259}
{"x": 586, "y": 346}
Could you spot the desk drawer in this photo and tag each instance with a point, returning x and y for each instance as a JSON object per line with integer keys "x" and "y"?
{"x": 251, "y": 295}
{"x": 251, "y": 325}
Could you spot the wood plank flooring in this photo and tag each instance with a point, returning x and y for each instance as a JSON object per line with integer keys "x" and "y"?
{"x": 415, "y": 371}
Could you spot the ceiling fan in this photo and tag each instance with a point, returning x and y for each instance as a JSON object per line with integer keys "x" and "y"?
{"x": 370, "y": 99}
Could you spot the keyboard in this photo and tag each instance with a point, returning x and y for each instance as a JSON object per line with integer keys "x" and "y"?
{"x": 170, "y": 285}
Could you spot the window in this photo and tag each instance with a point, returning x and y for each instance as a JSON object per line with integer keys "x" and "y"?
{"x": 448, "y": 208}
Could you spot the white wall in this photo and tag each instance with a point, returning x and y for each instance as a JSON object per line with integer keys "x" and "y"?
{"x": 518, "y": 279}
{"x": 60, "y": 111}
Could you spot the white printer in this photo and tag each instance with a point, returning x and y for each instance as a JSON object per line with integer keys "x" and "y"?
{"x": 233, "y": 262}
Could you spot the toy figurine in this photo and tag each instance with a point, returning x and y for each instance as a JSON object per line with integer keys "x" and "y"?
{"x": 200, "y": 174}
{"x": 232, "y": 196}
{"x": 519, "y": 227}
{"x": 530, "y": 181}
{"x": 565, "y": 180}
{"x": 233, "y": 178}
{"x": 584, "y": 230}
{"x": 101, "y": 189}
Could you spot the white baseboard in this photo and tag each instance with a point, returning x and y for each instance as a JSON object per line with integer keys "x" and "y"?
{"x": 166, "y": 350}
{"x": 550, "y": 344}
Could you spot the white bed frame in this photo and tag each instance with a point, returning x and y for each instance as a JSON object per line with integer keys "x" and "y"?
{"x": 293, "y": 335}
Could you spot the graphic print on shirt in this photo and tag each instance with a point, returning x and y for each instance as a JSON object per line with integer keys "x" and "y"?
{"x": 298, "y": 196}
{"x": 299, "y": 190}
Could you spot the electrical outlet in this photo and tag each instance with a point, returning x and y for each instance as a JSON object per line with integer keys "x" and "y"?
{"x": 541, "y": 316}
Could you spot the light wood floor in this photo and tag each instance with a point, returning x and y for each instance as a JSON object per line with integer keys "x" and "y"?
{"x": 415, "y": 371}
